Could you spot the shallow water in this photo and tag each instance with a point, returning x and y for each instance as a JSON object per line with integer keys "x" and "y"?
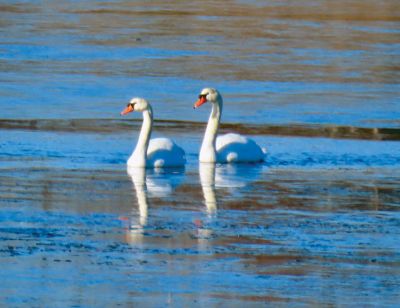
{"x": 320, "y": 215}
{"x": 306, "y": 62}
{"x": 314, "y": 82}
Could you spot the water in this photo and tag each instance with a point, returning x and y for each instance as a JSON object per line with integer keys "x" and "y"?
{"x": 316, "y": 83}
{"x": 309, "y": 62}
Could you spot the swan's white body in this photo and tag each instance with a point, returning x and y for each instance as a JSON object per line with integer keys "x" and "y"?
{"x": 161, "y": 152}
{"x": 237, "y": 148}
{"x": 229, "y": 148}
{"x": 157, "y": 152}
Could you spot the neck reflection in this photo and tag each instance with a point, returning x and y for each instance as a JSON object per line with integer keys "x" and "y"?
{"x": 207, "y": 181}
{"x": 148, "y": 184}
{"x": 136, "y": 229}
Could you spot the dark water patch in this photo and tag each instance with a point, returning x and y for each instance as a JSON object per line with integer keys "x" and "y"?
{"x": 355, "y": 11}
{"x": 24, "y": 233}
{"x": 256, "y": 298}
{"x": 26, "y": 8}
{"x": 112, "y": 126}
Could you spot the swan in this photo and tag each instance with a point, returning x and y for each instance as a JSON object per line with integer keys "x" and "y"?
{"x": 154, "y": 153}
{"x": 228, "y": 148}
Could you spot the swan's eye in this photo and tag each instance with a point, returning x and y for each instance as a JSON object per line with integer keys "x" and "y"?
{"x": 203, "y": 95}
{"x": 130, "y": 104}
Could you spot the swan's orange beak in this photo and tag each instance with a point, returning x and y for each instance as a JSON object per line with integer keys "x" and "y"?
{"x": 202, "y": 99}
{"x": 128, "y": 109}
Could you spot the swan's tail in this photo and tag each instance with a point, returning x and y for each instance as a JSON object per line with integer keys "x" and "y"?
{"x": 159, "y": 163}
{"x": 231, "y": 157}
{"x": 264, "y": 150}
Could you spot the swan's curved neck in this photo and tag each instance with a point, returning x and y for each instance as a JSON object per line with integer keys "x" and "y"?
{"x": 208, "y": 152}
{"x": 139, "y": 155}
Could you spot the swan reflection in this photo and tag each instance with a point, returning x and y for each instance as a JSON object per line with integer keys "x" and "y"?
{"x": 207, "y": 181}
{"x": 149, "y": 182}
{"x": 235, "y": 176}
{"x": 138, "y": 176}
{"x": 226, "y": 176}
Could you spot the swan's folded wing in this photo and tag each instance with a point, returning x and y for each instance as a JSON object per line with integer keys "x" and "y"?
{"x": 237, "y": 148}
{"x": 163, "y": 152}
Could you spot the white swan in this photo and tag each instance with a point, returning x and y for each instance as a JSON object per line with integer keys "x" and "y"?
{"x": 229, "y": 148}
{"x": 157, "y": 152}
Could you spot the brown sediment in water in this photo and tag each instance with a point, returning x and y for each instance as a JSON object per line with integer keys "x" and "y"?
{"x": 243, "y": 240}
{"x": 250, "y": 298}
{"x": 339, "y": 10}
{"x": 111, "y": 126}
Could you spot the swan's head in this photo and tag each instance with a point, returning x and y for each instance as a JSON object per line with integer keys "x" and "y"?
{"x": 136, "y": 104}
{"x": 207, "y": 95}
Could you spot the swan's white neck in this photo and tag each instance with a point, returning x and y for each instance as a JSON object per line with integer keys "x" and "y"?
{"x": 208, "y": 152}
{"x": 139, "y": 155}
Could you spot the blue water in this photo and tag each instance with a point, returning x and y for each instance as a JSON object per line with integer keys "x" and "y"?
{"x": 62, "y": 61}
{"x": 108, "y": 151}
{"x": 316, "y": 224}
